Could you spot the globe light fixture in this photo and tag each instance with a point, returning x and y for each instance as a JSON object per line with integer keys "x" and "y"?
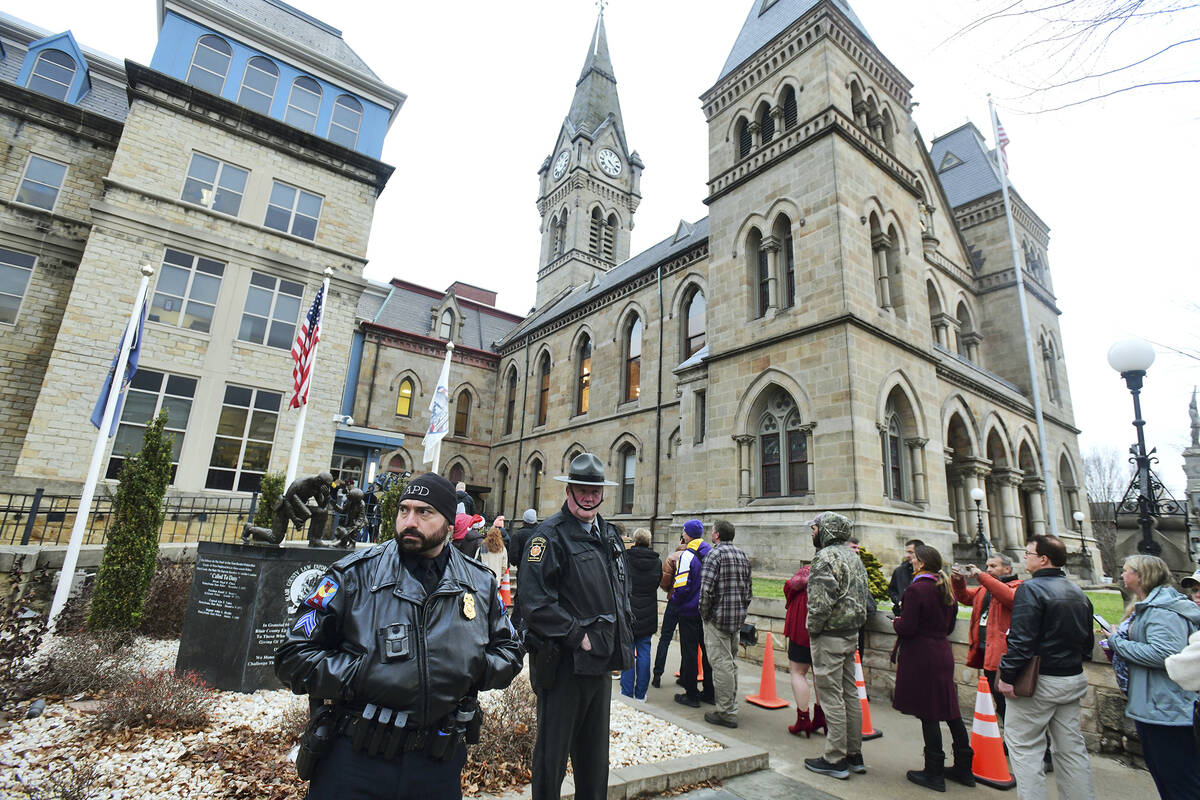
{"x": 981, "y": 541}
{"x": 1078, "y": 517}
{"x": 1132, "y": 358}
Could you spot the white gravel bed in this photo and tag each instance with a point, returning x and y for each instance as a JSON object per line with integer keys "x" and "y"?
{"x": 145, "y": 765}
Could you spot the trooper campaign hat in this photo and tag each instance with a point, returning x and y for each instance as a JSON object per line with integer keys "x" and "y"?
{"x": 586, "y": 470}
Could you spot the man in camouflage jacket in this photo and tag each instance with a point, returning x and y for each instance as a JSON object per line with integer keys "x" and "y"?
{"x": 838, "y": 597}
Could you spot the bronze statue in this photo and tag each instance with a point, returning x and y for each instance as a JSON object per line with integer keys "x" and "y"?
{"x": 294, "y": 507}
{"x": 354, "y": 519}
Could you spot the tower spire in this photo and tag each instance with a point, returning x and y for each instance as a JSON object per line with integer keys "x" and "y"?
{"x": 596, "y": 90}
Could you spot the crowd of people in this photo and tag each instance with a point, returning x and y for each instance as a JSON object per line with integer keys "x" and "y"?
{"x": 393, "y": 675}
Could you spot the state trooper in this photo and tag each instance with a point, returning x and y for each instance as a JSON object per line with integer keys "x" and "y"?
{"x": 392, "y": 648}
{"x": 574, "y": 599}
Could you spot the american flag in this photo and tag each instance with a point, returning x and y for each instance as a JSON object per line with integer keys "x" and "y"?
{"x": 1001, "y": 143}
{"x": 303, "y": 351}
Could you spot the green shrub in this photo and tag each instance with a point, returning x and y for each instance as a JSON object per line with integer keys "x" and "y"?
{"x": 876, "y": 582}
{"x": 159, "y": 699}
{"x": 389, "y": 502}
{"x": 167, "y": 599}
{"x": 269, "y": 492}
{"x": 132, "y": 548}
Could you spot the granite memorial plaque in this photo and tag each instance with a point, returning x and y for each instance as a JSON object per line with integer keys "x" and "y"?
{"x": 242, "y": 600}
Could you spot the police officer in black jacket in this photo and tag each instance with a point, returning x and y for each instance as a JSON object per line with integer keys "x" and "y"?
{"x": 574, "y": 599}
{"x": 392, "y": 647}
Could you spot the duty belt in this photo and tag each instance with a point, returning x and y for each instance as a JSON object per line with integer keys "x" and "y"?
{"x": 385, "y": 733}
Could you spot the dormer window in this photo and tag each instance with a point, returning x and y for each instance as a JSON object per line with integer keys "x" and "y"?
{"x": 52, "y": 74}
{"x": 446, "y": 326}
{"x": 346, "y": 120}
{"x": 258, "y": 84}
{"x": 303, "y": 104}
{"x": 210, "y": 64}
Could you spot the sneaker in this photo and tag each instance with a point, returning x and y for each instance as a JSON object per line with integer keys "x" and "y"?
{"x": 716, "y": 719}
{"x": 656, "y": 681}
{"x": 837, "y": 769}
{"x": 684, "y": 700}
{"x": 856, "y": 764}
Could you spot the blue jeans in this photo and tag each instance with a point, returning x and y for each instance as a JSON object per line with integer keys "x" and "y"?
{"x": 1170, "y": 754}
{"x": 641, "y": 663}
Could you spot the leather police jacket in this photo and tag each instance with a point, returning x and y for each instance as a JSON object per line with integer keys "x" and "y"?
{"x": 572, "y": 583}
{"x": 1051, "y": 617}
{"x": 369, "y": 634}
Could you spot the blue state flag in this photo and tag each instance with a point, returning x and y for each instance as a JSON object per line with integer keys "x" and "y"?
{"x": 131, "y": 366}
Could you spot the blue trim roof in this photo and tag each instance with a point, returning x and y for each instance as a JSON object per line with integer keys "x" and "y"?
{"x": 768, "y": 19}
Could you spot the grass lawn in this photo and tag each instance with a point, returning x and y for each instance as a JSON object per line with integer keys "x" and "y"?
{"x": 768, "y": 587}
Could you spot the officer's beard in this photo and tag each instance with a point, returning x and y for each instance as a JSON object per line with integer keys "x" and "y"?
{"x": 413, "y": 541}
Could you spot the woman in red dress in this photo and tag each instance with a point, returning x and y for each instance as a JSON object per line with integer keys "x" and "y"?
{"x": 795, "y": 628}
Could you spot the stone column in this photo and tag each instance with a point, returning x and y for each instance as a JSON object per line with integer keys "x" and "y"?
{"x": 755, "y": 133}
{"x": 745, "y": 464}
{"x": 777, "y": 115}
{"x": 1037, "y": 505}
{"x": 965, "y": 506}
{"x": 916, "y": 454}
{"x": 879, "y": 245}
{"x": 941, "y": 325}
{"x": 971, "y": 340}
{"x": 1010, "y": 508}
{"x": 810, "y": 467}
{"x": 772, "y": 245}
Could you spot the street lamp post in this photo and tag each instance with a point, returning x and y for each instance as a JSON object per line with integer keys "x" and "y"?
{"x": 1131, "y": 358}
{"x": 1083, "y": 551}
{"x": 981, "y": 541}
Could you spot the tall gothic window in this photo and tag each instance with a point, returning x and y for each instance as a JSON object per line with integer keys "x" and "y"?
{"x": 404, "y": 398}
{"x": 602, "y": 234}
{"x": 893, "y": 455}
{"x": 462, "y": 413}
{"x": 543, "y": 389}
{"x": 694, "y": 322}
{"x": 783, "y": 448}
{"x": 763, "y": 259}
{"x": 633, "y": 360}
{"x": 446, "y": 325}
{"x": 628, "y": 475}
{"x": 789, "y": 108}
{"x": 766, "y": 123}
{"x": 745, "y": 139}
{"x": 510, "y": 401}
{"x": 1050, "y": 367}
{"x": 583, "y": 377}
{"x": 535, "y": 484}
{"x": 456, "y": 474}
{"x": 502, "y": 487}
{"x": 782, "y": 230}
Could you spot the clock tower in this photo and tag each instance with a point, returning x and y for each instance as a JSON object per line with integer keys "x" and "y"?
{"x": 589, "y": 184}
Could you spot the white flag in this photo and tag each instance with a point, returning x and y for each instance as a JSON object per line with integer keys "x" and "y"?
{"x": 439, "y": 414}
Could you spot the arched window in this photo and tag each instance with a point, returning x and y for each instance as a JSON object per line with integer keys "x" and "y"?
{"x": 345, "y": 121}
{"x": 535, "y": 484}
{"x": 303, "y": 104}
{"x": 694, "y": 324}
{"x": 560, "y": 234}
{"x": 404, "y": 399}
{"x": 510, "y": 401}
{"x": 456, "y": 474}
{"x": 628, "y": 459}
{"x": 633, "y": 360}
{"x": 608, "y": 251}
{"x": 1068, "y": 491}
{"x": 446, "y": 325}
{"x": 766, "y": 123}
{"x": 210, "y": 64}
{"x": 1050, "y": 367}
{"x": 782, "y": 231}
{"x": 936, "y": 322}
{"x": 783, "y": 448}
{"x": 601, "y": 234}
{"x": 258, "y": 84}
{"x": 895, "y": 272}
{"x": 583, "y": 377}
{"x": 543, "y": 389}
{"x": 893, "y": 455}
{"x": 761, "y": 272}
{"x": 880, "y": 243}
{"x": 462, "y": 413}
{"x": 789, "y": 108}
{"x": 396, "y": 463}
{"x": 52, "y": 74}
{"x": 502, "y": 487}
{"x": 745, "y": 139}
{"x": 965, "y": 329}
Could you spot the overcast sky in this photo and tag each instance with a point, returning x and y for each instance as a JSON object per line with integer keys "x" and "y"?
{"x": 489, "y": 83}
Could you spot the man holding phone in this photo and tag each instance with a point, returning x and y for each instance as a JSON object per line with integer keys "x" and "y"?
{"x": 991, "y": 610}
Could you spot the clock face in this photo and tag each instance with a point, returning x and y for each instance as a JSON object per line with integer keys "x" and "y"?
{"x": 560, "y": 164}
{"x": 610, "y": 162}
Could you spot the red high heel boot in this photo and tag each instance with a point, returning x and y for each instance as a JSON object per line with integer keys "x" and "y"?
{"x": 818, "y": 720}
{"x": 803, "y": 724}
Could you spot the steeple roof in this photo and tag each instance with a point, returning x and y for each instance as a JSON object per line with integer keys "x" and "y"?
{"x": 596, "y": 91}
{"x": 769, "y": 18}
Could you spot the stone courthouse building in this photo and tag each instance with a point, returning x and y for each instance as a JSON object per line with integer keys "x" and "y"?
{"x": 841, "y": 332}
{"x": 240, "y": 164}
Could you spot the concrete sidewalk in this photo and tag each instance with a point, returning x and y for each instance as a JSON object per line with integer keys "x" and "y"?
{"x": 887, "y": 758}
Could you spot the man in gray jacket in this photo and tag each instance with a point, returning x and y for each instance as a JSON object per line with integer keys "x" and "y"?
{"x": 838, "y": 598}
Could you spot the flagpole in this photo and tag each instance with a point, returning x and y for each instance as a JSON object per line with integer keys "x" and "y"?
{"x": 1033, "y": 377}
{"x": 443, "y": 384}
{"x": 83, "y": 513}
{"x": 294, "y": 457}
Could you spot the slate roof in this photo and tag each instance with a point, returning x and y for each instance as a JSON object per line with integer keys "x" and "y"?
{"x": 976, "y": 176}
{"x": 106, "y": 96}
{"x": 685, "y": 238}
{"x": 596, "y": 91}
{"x": 407, "y": 308}
{"x": 292, "y": 23}
{"x": 763, "y": 26}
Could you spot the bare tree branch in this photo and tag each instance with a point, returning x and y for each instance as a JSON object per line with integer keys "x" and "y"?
{"x": 1112, "y": 93}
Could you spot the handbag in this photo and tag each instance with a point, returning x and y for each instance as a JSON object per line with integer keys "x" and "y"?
{"x": 1027, "y": 681}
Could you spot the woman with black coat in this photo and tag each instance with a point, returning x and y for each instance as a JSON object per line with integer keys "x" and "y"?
{"x": 645, "y": 571}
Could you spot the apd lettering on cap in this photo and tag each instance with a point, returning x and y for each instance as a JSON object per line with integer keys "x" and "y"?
{"x": 416, "y": 490}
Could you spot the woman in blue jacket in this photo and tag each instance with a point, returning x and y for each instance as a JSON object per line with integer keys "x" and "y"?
{"x": 1162, "y": 619}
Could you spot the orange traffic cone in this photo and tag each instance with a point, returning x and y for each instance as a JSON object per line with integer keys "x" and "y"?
{"x": 868, "y": 730}
{"x": 766, "y": 697}
{"x": 506, "y": 590}
{"x": 699, "y": 664}
{"x": 989, "y": 766}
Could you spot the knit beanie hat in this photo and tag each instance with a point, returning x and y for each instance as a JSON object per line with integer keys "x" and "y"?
{"x": 433, "y": 489}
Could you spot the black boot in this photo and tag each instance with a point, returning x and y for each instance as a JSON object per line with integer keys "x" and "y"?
{"x": 964, "y": 758}
{"x": 933, "y": 776}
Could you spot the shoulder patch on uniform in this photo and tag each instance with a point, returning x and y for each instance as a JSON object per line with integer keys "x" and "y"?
{"x": 306, "y": 623}
{"x": 537, "y": 547}
{"x": 324, "y": 593}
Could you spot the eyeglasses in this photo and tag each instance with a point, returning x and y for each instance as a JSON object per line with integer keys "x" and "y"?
{"x": 1031, "y": 554}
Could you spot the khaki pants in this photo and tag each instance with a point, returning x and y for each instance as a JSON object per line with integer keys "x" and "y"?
{"x": 722, "y": 655}
{"x": 833, "y": 667}
{"x": 1054, "y": 707}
